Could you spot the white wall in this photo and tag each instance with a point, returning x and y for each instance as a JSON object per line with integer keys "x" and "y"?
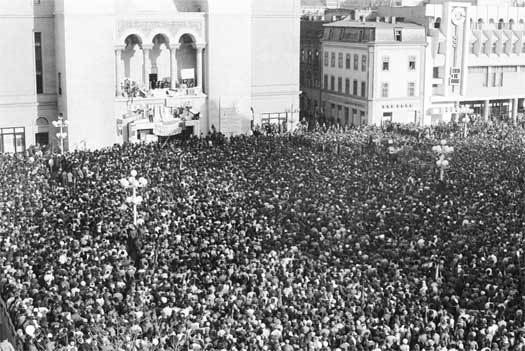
{"x": 229, "y": 65}
{"x": 275, "y": 56}
{"x": 90, "y": 72}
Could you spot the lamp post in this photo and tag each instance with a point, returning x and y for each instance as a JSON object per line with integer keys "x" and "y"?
{"x": 61, "y": 123}
{"x": 443, "y": 163}
{"x": 133, "y": 183}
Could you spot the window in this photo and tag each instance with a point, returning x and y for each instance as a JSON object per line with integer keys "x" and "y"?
{"x": 340, "y": 60}
{"x": 59, "y": 83}
{"x": 354, "y": 115}
{"x": 411, "y": 89}
{"x": 326, "y": 58}
{"x": 523, "y": 48}
{"x": 411, "y": 63}
{"x": 332, "y": 59}
{"x": 397, "y": 34}
{"x": 347, "y": 115}
{"x": 384, "y": 90}
{"x": 363, "y": 63}
{"x": 303, "y": 60}
{"x": 435, "y": 72}
{"x": 355, "y": 88}
{"x": 386, "y": 64}
{"x": 361, "y": 117}
{"x": 356, "y": 62}
{"x": 332, "y": 83}
{"x": 332, "y": 110}
{"x": 348, "y": 61}
{"x": 347, "y": 86}
{"x": 12, "y": 140}
{"x": 310, "y": 57}
{"x": 363, "y": 89}
{"x": 340, "y": 84}
{"x": 326, "y": 81}
{"x": 38, "y": 63}
{"x": 437, "y": 23}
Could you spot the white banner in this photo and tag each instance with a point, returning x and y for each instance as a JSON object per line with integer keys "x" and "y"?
{"x": 187, "y": 73}
{"x": 168, "y": 128}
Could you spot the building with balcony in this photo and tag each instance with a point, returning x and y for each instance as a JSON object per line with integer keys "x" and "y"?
{"x": 373, "y": 72}
{"x": 475, "y": 55}
{"x": 127, "y": 70}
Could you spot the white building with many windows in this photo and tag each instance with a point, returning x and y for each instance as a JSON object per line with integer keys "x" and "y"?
{"x": 475, "y": 55}
{"x": 373, "y": 72}
{"x": 133, "y": 70}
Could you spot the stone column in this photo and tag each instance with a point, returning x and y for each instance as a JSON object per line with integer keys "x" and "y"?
{"x": 118, "y": 58}
{"x": 486, "y": 110}
{"x": 514, "y": 110}
{"x": 147, "y": 65}
{"x": 199, "y": 73}
{"x": 173, "y": 65}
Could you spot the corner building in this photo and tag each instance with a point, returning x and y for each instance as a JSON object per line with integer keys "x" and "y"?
{"x": 373, "y": 72}
{"x": 233, "y": 62}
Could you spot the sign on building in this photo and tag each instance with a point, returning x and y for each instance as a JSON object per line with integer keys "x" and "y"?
{"x": 455, "y": 76}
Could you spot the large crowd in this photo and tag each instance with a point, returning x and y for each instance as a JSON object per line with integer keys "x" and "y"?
{"x": 268, "y": 242}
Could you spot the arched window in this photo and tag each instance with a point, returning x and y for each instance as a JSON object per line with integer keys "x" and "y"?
{"x": 501, "y": 24}
{"x": 437, "y": 23}
{"x": 132, "y": 40}
{"x": 511, "y": 24}
{"x": 42, "y": 122}
{"x": 480, "y": 23}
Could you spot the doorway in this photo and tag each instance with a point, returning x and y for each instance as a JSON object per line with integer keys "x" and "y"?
{"x": 42, "y": 139}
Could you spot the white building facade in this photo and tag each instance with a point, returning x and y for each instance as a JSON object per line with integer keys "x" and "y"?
{"x": 233, "y": 63}
{"x": 475, "y": 56}
{"x": 373, "y": 72}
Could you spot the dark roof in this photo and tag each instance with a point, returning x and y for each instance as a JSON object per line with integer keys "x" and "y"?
{"x": 371, "y": 24}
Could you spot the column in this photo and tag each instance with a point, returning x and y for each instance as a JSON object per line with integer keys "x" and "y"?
{"x": 486, "y": 111}
{"x": 514, "y": 110}
{"x": 173, "y": 65}
{"x": 118, "y": 58}
{"x": 199, "y": 73}
{"x": 147, "y": 65}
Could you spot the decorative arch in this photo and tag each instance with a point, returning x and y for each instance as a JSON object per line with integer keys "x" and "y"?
{"x": 501, "y": 23}
{"x": 131, "y": 32}
{"x": 190, "y": 32}
{"x": 42, "y": 122}
{"x": 163, "y": 32}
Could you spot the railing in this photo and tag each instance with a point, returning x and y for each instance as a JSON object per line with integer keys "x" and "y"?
{"x": 7, "y": 329}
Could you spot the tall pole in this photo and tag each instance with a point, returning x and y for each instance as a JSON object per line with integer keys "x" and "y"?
{"x": 134, "y": 207}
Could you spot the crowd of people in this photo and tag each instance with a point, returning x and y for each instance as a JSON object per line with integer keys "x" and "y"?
{"x": 268, "y": 242}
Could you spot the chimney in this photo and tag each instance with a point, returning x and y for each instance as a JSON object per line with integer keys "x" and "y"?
{"x": 393, "y": 20}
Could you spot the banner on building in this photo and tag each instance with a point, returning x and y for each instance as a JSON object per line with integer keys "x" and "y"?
{"x": 187, "y": 73}
{"x": 168, "y": 128}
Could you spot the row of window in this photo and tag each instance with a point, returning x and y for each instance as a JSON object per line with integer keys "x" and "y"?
{"x": 331, "y": 58}
{"x": 345, "y": 62}
{"x": 494, "y": 76}
{"x": 357, "y": 117}
{"x": 310, "y": 57}
{"x": 495, "y": 48}
{"x": 355, "y": 86}
{"x": 329, "y": 84}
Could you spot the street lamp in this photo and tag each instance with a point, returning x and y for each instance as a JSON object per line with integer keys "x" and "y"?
{"x": 442, "y": 151}
{"x": 61, "y": 135}
{"x": 133, "y": 183}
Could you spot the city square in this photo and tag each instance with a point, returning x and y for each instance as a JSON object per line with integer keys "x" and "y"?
{"x": 263, "y": 175}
